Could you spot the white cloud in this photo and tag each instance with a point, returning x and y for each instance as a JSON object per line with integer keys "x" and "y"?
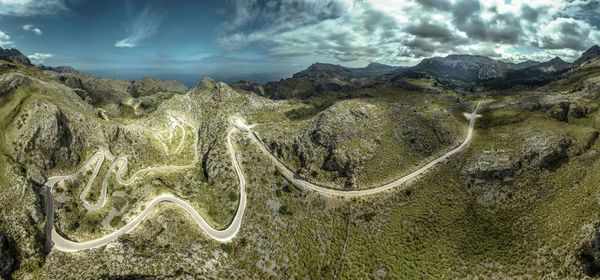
{"x": 39, "y": 57}
{"x": 401, "y": 32}
{"x": 4, "y": 39}
{"x": 32, "y": 7}
{"x": 32, "y": 28}
{"x": 143, "y": 27}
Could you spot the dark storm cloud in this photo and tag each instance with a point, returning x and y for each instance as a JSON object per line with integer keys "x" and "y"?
{"x": 464, "y": 10}
{"x": 500, "y": 28}
{"x": 504, "y": 28}
{"x": 587, "y": 10}
{"x": 287, "y": 13}
{"x": 427, "y": 29}
{"x": 424, "y": 45}
{"x": 435, "y": 4}
{"x": 378, "y": 30}
{"x": 568, "y": 34}
{"x": 530, "y": 14}
{"x": 467, "y": 18}
{"x": 374, "y": 20}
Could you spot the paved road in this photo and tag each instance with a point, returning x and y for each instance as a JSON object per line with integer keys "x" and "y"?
{"x": 58, "y": 242}
{"x": 303, "y": 184}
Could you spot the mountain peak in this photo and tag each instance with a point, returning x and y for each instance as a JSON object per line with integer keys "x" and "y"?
{"x": 589, "y": 54}
{"x": 324, "y": 66}
{"x": 375, "y": 65}
{"x": 557, "y": 60}
{"x": 594, "y": 48}
{"x": 14, "y": 56}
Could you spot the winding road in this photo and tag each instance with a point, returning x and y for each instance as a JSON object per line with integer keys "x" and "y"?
{"x": 303, "y": 184}
{"x": 58, "y": 242}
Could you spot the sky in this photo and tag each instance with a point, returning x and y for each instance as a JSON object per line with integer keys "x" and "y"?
{"x": 264, "y": 40}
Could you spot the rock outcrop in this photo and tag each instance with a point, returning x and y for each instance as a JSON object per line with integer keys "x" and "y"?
{"x": 14, "y": 56}
{"x": 8, "y": 258}
{"x": 543, "y": 150}
{"x": 587, "y": 56}
{"x": 589, "y": 255}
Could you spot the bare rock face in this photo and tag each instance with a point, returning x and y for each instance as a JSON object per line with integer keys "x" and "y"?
{"x": 44, "y": 137}
{"x": 589, "y": 255}
{"x": 11, "y": 81}
{"x": 578, "y": 110}
{"x": 7, "y": 257}
{"x": 545, "y": 151}
{"x": 565, "y": 110}
{"x": 346, "y": 133}
{"x": 493, "y": 166}
{"x": 421, "y": 134}
{"x": 560, "y": 112}
{"x": 15, "y": 56}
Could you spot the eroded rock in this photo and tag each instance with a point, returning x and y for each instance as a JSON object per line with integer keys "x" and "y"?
{"x": 8, "y": 257}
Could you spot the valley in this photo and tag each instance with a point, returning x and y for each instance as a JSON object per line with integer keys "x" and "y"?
{"x": 376, "y": 172}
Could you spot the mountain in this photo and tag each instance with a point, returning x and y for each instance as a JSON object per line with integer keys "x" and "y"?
{"x": 320, "y": 70}
{"x": 116, "y": 96}
{"x": 15, "y": 56}
{"x": 526, "y": 64}
{"x": 517, "y": 200}
{"x": 319, "y": 79}
{"x": 460, "y": 72}
{"x": 590, "y": 54}
{"x": 463, "y": 67}
{"x": 535, "y": 75}
{"x": 553, "y": 65}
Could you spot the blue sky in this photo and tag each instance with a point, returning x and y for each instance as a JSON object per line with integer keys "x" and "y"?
{"x": 268, "y": 39}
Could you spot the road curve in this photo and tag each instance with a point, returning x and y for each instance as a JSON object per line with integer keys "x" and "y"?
{"x": 58, "y": 242}
{"x": 303, "y": 184}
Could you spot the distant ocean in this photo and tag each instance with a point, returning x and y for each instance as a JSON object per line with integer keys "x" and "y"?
{"x": 192, "y": 79}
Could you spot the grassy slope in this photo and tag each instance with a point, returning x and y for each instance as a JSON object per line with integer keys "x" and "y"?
{"x": 438, "y": 227}
{"x": 434, "y": 228}
{"x": 391, "y": 159}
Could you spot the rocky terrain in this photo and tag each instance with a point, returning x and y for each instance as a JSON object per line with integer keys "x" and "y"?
{"x": 520, "y": 201}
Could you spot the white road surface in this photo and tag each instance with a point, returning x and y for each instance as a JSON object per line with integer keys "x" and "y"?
{"x": 58, "y": 242}
{"x": 303, "y": 184}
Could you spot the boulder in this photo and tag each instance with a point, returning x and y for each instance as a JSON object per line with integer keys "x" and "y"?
{"x": 589, "y": 255}
{"x": 560, "y": 112}
{"x": 546, "y": 150}
{"x": 8, "y": 257}
{"x": 542, "y": 150}
{"x": 497, "y": 165}
{"x": 577, "y": 110}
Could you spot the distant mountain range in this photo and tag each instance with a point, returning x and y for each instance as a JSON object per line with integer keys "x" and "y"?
{"x": 460, "y": 72}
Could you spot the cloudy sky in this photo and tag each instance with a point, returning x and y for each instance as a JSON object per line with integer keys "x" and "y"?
{"x": 268, "y": 39}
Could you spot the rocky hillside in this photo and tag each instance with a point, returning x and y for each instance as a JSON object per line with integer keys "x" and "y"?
{"x": 463, "y": 73}
{"x": 117, "y": 97}
{"x": 520, "y": 201}
{"x": 588, "y": 56}
{"x": 15, "y": 56}
{"x": 320, "y": 79}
